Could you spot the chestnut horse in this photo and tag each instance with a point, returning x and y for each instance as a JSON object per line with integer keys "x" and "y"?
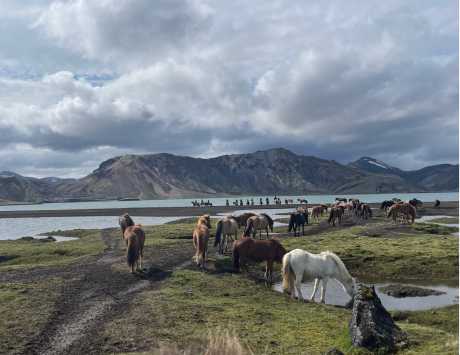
{"x": 134, "y": 237}
{"x": 200, "y": 240}
{"x": 336, "y": 215}
{"x": 247, "y": 248}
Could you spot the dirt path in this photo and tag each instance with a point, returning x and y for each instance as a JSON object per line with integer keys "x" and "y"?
{"x": 93, "y": 293}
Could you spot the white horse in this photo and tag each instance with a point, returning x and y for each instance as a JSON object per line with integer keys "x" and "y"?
{"x": 227, "y": 228}
{"x": 300, "y": 265}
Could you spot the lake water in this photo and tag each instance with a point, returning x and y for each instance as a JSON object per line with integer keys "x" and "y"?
{"x": 15, "y": 228}
{"x": 220, "y": 201}
{"x": 336, "y": 295}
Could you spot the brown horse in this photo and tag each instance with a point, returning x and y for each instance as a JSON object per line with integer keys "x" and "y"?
{"x": 247, "y": 248}
{"x": 406, "y": 210}
{"x": 364, "y": 211}
{"x": 258, "y": 223}
{"x": 335, "y": 215}
{"x": 134, "y": 237}
{"x": 200, "y": 240}
{"x": 243, "y": 218}
{"x": 318, "y": 211}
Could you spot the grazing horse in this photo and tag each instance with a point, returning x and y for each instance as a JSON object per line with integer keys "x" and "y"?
{"x": 335, "y": 215}
{"x": 227, "y": 227}
{"x": 406, "y": 210}
{"x": 258, "y": 250}
{"x": 318, "y": 211}
{"x": 300, "y": 265}
{"x": 242, "y": 219}
{"x": 134, "y": 237}
{"x": 386, "y": 205}
{"x": 258, "y": 223}
{"x": 200, "y": 240}
{"x": 416, "y": 203}
{"x": 297, "y": 220}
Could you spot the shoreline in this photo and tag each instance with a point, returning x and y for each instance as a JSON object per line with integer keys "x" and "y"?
{"x": 447, "y": 208}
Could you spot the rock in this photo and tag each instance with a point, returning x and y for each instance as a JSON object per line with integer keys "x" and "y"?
{"x": 333, "y": 351}
{"x": 26, "y": 239}
{"x": 401, "y": 291}
{"x": 371, "y": 325}
{"x": 47, "y": 239}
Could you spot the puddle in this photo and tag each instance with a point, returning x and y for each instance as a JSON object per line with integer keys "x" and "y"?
{"x": 431, "y": 218}
{"x": 58, "y": 238}
{"x": 335, "y": 295}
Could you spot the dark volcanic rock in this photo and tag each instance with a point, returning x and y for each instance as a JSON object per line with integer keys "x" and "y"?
{"x": 401, "y": 291}
{"x": 371, "y": 325}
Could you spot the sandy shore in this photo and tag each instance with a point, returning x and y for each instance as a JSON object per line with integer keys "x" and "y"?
{"x": 447, "y": 208}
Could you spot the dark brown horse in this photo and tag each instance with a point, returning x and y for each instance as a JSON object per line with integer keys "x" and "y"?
{"x": 247, "y": 248}
{"x": 243, "y": 218}
{"x": 336, "y": 215}
{"x": 134, "y": 237}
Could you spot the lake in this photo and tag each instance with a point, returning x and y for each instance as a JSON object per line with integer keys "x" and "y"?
{"x": 220, "y": 201}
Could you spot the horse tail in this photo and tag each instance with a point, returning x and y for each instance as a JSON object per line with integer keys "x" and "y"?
{"x": 287, "y": 273}
{"x": 132, "y": 253}
{"x": 236, "y": 258}
{"x": 218, "y": 233}
{"x": 291, "y": 223}
{"x": 331, "y": 216}
{"x": 247, "y": 230}
{"x": 370, "y": 212}
{"x": 269, "y": 219}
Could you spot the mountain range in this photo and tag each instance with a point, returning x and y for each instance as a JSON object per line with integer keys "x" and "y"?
{"x": 274, "y": 171}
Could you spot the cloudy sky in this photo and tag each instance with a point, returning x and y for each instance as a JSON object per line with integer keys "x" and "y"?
{"x": 85, "y": 80}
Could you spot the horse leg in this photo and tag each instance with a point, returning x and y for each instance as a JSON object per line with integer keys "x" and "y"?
{"x": 312, "y": 297}
{"x": 323, "y": 290}
{"x": 298, "y": 286}
{"x": 267, "y": 232}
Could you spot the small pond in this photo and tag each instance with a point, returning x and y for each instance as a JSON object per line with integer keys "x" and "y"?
{"x": 335, "y": 295}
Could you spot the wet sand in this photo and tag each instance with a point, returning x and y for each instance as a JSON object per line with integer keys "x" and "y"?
{"x": 447, "y": 208}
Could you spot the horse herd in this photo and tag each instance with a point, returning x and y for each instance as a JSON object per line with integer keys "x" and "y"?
{"x": 296, "y": 264}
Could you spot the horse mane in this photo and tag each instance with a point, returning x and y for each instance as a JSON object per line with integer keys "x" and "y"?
{"x": 338, "y": 262}
{"x": 269, "y": 219}
{"x": 128, "y": 220}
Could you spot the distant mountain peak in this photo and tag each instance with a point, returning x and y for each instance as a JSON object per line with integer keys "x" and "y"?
{"x": 373, "y": 165}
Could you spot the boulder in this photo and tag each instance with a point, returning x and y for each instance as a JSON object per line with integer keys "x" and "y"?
{"x": 371, "y": 325}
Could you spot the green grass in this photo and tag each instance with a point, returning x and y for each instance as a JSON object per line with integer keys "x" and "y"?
{"x": 25, "y": 309}
{"x": 29, "y": 254}
{"x": 380, "y": 255}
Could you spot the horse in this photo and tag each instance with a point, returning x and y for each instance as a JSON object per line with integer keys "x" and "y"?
{"x": 200, "y": 240}
{"x": 134, "y": 237}
{"x": 386, "y": 204}
{"x": 258, "y": 223}
{"x": 125, "y": 221}
{"x": 226, "y": 228}
{"x": 316, "y": 212}
{"x": 300, "y": 265}
{"x": 437, "y": 203}
{"x": 364, "y": 211}
{"x": 405, "y": 209}
{"x": 339, "y": 199}
{"x": 258, "y": 250}
{"x": 416, "y": 203}
{"x": 243, "y": 218}
{"x": 297, "y": 220}
{"x": 335, "y": 215}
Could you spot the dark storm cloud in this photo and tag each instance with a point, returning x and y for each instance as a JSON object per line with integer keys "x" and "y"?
{"x": 336, "y": 80}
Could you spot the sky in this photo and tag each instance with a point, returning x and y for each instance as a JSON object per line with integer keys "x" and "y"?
{"x": 82, "y": 81}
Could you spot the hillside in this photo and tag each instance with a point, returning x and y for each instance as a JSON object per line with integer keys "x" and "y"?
{"x": 274, "y": 171}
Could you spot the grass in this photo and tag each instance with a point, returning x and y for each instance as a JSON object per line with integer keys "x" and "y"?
{"x": 25, "y": 309}
{"x": 376, "y": 253}
{"x": 21, "y": 254}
